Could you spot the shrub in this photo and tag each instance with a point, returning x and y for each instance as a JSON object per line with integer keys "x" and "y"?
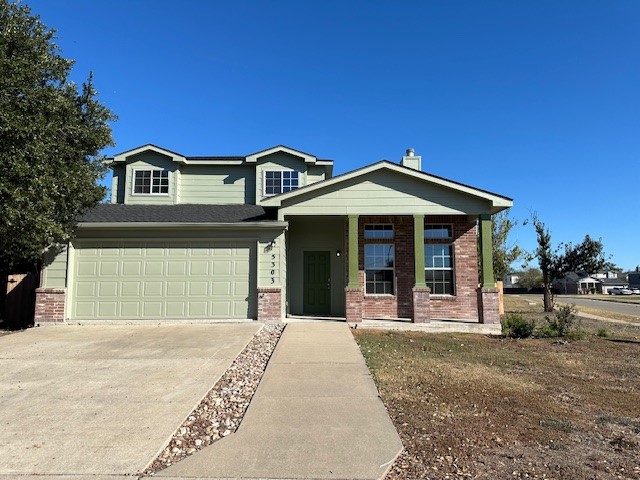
{"x": 514, "y": 326}
{"x": 561, "y": 324}
{"x": 602, "y": 332}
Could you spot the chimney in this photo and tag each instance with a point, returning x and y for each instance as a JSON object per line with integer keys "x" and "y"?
{"x": 412, "y": 160}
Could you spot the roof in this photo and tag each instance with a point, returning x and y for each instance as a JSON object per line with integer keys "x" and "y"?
{"x": 181, "y": 213}
{"x": 499, "y": 202}
{"x": 613, "y": 281}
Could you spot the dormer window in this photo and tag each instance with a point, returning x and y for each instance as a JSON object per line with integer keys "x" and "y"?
{"x": 276, "y": 182}
{"x": 151, "y": 182}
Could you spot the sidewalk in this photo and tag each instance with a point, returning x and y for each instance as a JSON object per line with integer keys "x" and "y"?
{"x": 315, "y": 415}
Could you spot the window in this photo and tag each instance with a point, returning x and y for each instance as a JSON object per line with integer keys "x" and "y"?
{"x": 438, "y": 268}
{"x": 151, "y": 182}
{"x": 437, "y": 231}
{"x": 378, "y": 231}
{"x": 378, "y": 266}
{"x": 280, "y": 182}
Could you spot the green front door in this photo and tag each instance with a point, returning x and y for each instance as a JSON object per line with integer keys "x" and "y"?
{"x": 317, "y": 283}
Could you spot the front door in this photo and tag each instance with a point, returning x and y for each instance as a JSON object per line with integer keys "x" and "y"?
{"x": 317, "y": 283}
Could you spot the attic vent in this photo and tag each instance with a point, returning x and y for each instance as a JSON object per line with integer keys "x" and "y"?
{"x": 411, "y": 160}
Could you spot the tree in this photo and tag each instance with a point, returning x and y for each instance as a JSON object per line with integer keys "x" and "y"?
{"x": 51, "y": 134}
{"x": 530, "y": 278}
{"x": 587, "y": 256}
{"x": 504, "y": 254}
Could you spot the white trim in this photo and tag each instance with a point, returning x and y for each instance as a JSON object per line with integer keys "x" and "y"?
{"x": 452, "y": 268}
{"x": 253, "y": 158}
{"x": 122, "y": 157}
{"x": 498, "y": 202}
{"x": 209, "y": 225}
{"x": 264, "y": 181}
{"x": 450, "y": 225}
{"x": 151, "y": 169}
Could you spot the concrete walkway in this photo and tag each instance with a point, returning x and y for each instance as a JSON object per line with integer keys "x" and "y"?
{"x": 315, "y": 415}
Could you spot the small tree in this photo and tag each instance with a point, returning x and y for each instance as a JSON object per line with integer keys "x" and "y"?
{"x": 530, "y": 278}
{"x": 51, "y": 134}
{"x": 554, "y": 264}
{"x": 504, "y": 254}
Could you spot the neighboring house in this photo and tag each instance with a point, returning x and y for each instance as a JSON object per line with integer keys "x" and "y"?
{"x": 607, "y": 284}
{"x": 634, "y": 279}
{"x": 273, "y": 234}
{"x": 511, "y": 280}
{"x": 583, "y": 283}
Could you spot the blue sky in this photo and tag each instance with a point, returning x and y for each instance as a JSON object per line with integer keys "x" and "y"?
{"x": 535, "y": 100}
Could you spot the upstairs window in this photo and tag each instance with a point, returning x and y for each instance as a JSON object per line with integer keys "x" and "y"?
{"x": 151, "y": 182}
{"x": 276, "y": 182}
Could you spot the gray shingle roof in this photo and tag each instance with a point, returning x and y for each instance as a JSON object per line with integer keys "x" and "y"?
{"x": 183, "y": 213}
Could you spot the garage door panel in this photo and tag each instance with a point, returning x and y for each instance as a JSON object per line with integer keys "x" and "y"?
{"x": 173, "y": 280}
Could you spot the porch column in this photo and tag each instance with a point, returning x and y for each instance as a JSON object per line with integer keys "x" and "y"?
{"x": 486, "y": 249}
{"x": 354, "y": 295}
{"x": 420, "y": 289}
{"x": 488, "y": 303}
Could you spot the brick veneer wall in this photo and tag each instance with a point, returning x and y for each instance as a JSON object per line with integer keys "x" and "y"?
{"x": 463, "y": 305}
{"x": 354, "y": 299}
{"x": 269, "y": 304}
{"x": 489, "y": 311}
{"x": 49, "y": 305}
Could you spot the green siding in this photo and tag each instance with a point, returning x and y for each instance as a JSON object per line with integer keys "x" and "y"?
{"x": 385, "y": 193}
{"x": 315, "y": 174}
{"x": 54, "y": 273}
{"x": 278, "y": 162}
{"x": 317, "y": 234}
{"x": 118, "y": 184}
{"x": 154, "y": 161}
{"x": 221, "y": 184}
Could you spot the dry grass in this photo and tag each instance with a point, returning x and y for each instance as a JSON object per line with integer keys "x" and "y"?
{"x": 471, "y": 406}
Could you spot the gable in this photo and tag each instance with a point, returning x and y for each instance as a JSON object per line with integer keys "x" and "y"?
{"x": 383, "y": 192}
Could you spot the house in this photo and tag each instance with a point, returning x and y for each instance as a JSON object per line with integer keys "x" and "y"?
{"x": 582, "y": 283}
{"x": 275, "y": 234}
{"x": 511, "y": 279}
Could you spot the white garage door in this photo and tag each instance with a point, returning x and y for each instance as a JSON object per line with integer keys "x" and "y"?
{"x": 162, "y": 280}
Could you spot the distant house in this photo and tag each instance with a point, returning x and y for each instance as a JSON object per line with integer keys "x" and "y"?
{"x": 634, "y": 279}
{"x": 606, "y": 284}
{"x": 576, "y": 283}
{"x": 511, "y": 279}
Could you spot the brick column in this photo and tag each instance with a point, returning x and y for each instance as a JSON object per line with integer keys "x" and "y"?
{"x": 488, "y": 309}
{"x": 421, "y": 304}
{"x": 354, "y": 300}
{"x": 49, "y": 305}
{"x": 269, "y": 304}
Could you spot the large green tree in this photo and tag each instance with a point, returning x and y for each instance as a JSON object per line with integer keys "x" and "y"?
{"x": 51, "y": 134}
{"x": 586, "y": 256}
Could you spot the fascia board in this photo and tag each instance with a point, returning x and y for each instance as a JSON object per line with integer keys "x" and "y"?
{"x": 122, "y": 157}
{"x": 253, "y": 158}
{"x": 176, "y": 225}
{"x": 497, "y": 201}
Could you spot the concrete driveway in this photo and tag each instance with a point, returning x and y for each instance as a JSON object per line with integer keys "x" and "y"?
{"x": 104, "y": 400}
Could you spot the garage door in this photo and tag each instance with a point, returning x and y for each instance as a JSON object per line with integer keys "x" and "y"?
{"x": 163, "y": 280}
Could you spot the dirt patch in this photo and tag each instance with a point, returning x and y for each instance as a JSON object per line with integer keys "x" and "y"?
{"x": 469, "y": 406}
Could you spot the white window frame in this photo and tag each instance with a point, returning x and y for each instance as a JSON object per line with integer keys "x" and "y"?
{"x": 452, "y": 268}
{"x": 281, "y": 172}
{"x": 448, "y": 225}
{"x": 151, "y": 192}
{"x": 392, "y": 269}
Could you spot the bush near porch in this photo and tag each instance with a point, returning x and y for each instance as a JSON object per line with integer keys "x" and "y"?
{"x": 472, "y": 406}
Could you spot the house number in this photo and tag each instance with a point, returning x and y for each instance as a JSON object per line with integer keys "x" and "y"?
{"x": 273, "y": 265}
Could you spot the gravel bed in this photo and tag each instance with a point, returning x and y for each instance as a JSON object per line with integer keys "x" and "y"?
{"x": 220, "y": 412}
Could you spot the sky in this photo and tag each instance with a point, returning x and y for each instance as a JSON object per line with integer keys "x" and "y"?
{"x": 535, "y": 100}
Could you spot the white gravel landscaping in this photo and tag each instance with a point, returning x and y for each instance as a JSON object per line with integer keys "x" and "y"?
{"x": 220, "y": 412}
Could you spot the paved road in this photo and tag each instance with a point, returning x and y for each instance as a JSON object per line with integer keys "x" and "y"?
{"x": 615, "y": 307}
